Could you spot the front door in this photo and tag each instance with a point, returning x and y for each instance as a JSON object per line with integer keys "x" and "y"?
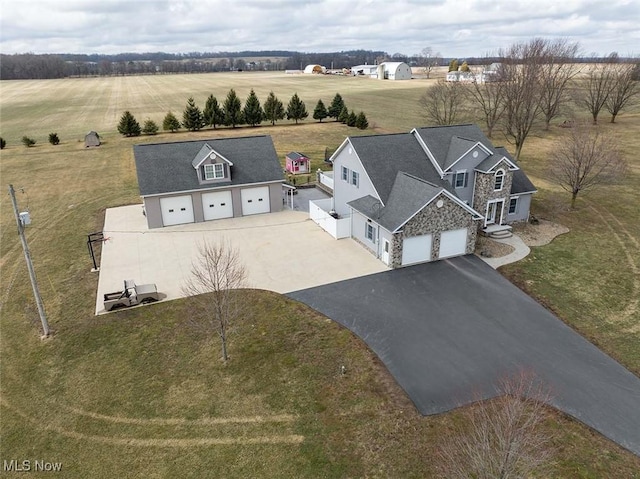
{"x": 385, "y": 251}
{"x": 494, "y": 212}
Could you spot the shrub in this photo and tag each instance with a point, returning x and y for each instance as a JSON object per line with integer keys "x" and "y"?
{"x": 361, "y": 121}
{"x": 170, "y": 122}
{"x": 351, "y": 120}
{"x": 53, "y": 139}
{"x": 150, "y": 127}
{"x": 26, "y": 141}
{"x": 3, "y": 143}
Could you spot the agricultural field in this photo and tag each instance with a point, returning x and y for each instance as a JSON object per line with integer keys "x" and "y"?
{"x": 140, "y": 393}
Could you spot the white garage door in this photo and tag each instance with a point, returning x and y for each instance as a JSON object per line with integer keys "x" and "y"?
{"x": 255, "y": 200}
{"x": 416, "y": 249}
{"x": 453, "y": 243}
{"x": 176, "y": 210}
{"x": 216, "y": 205}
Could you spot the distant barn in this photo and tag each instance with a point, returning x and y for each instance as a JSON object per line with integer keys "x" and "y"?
{"x": 315, "y": 69}
{"x": 92, "y": 139}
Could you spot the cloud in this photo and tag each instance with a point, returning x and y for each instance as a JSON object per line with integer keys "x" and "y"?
{"x": 452, "y": 27}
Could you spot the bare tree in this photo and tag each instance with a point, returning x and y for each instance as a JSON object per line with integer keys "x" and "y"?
{"x": 216, "y": 275}
{"x": 623, "y": 89}
{"x": 443, "y": 102}
{"x": 587, "y": 159}
{"x": 429, "y": 59}
{"x": 557, "y": 70}
{"x": 489, "y": 96}
{"x": 520, "y": 72}
{"x": 501, "y": 437}
{"x": 600, "y": 80}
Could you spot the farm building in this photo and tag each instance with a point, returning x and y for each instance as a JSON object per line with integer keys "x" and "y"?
{"x": 367, "y": 70}
{"x": 384, "y": 71}
{"x": 315, "y": 69}
{"x": 297, "y": 163}
{"x": 92, "y": 139}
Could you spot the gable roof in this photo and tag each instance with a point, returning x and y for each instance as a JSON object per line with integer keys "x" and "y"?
{"x": 521, "y": 183}
{"x": 383, "y": 156}
{"x": 207, "y": 152}
{"x": 492, "y": 161}
{"x": 167, "y": 167}
{"x": 294, "y": 155}
{"x": 409, "y": 195}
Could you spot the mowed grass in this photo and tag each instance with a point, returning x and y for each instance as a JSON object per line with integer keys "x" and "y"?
{"x": 140, "y": 393}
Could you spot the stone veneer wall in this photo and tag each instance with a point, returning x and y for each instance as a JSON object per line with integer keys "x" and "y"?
{"x": 484, "y": 191}
{"x": 434, "y": 220}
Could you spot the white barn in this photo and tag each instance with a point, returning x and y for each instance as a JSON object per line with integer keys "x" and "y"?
{"x": 395, "y": 71}
{"x": 315, "y": 69}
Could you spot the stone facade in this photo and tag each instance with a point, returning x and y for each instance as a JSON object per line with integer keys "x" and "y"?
{"x": 433, "y": 220}
{"x": 484, "y": 189}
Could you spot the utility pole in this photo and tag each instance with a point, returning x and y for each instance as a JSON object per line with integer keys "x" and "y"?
{"x": 27, "y": 257}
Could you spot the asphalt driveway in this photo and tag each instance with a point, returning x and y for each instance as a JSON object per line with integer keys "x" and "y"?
{"x": 448, "y": 331}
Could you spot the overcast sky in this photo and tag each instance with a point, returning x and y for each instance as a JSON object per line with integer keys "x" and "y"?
{"x": 455, "y": 28}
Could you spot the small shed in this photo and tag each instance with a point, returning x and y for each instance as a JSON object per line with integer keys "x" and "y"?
{"x": 92, "y": 139}
{"x": 315, "y": 69}
{"x": 297, "y": 163}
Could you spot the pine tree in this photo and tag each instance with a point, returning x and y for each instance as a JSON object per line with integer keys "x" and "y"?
{"x": 170, "y": 123}
{"x": 337, "y": 104}
{"x": 464, "y": 67}
{"x": 320, "y": 112}
{"x": 192, "y": 118}
{"x": 150, "y": 127}
{"x": 253, "y": 113}
{"x": 232, "y": 110}
{"x": 213, "y": 114}
{"x": 273, "y": 109}
{"x": 344, "y": 115}
{"x": 3, "y": 143}
{"x": 128, "y": 125}
{"x": 453, "y": 65}
{"x": 296, "y": 110}
{"x": 53, "y": 139}
{"x": 361, "y": 121}
{"x": 351, "y": 120}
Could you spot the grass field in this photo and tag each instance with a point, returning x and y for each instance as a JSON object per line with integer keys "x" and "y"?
{"x": 141, "y": 394}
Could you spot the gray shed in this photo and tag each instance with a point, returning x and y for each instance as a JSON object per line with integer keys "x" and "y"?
{"x": 92, "y": 139}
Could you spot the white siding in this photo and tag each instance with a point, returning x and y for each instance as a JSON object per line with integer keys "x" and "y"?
{"x": 345, "y": 191}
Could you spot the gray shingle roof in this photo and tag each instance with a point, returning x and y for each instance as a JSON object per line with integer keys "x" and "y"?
{"x": 294, "y": 155}
{"x": 383, "y": 156}
{"x": 457, "y": 147}
{"x": 438, "y": 139}
{"x": 167, "y": 167}
{"x": 521, "y": 183}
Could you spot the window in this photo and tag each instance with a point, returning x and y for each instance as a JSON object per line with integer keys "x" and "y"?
{"x": 355, "y": 179}
{"x": 513, "y": 206}
{"x": 214, "y": 171}
{"x": 369, "y": 232}
{"x": 345, "y": 173}
{"x": 499, "y": 180}
{"x": 460, "y": 179}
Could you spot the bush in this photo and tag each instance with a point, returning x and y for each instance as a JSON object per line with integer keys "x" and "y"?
{"x": 361, "y": 121}
{"x": 53, "y": 139}
{"x": 170, "y": 122}
{"x": 150, "y": 127}
{"x": 3, "y": 143}
{"x": 26, "y": 141}
{"x": 351, "y": 120}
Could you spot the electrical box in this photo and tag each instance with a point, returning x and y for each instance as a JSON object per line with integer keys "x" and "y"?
{"x": 25, "y": 218}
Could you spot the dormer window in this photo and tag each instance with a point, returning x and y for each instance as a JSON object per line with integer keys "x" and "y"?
{"x": 499, "y": 180}
{"x": 214, "y": 171}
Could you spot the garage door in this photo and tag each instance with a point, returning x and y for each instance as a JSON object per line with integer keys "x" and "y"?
{"x": 176, "y": 210}
{"x": 255, "y": 200}
{"x": 453, "y": 243}
{"x": 216, "y": 205}
{"x": 416, "y": 249}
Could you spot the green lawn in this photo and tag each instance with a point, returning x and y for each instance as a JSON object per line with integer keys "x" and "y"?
{"x": 140, "y": 393}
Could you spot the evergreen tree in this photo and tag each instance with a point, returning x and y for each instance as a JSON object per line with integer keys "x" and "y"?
{"x": 3, "y": 143}
{"x": 351, "y": 120}
{"x": 296, "y": 110}
{"x": 128, "y": 125}
{"x": 170, "y": 123}
{"x": 273, "y": 109}
{"x": 337, "y": 104}
{"x": 150, "y": 127}
{"x": 192, "y": 118}
{"x": 320, "y": 112}
{"x": 53, "y": 139}
{"x": 232, "y": 110}
{"x": 212, "y": 113}
{"x": 28, "y": 142}
{"x": 453, "y": 65}
{"x": 253, "y": 113}
{"x": 344, "y": 115}
{"x": 361, "y": 121}
{"x": 465, "y": 67}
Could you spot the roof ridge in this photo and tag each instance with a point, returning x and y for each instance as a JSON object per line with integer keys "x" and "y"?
{"x": 204, "y": 140}
{"x": 422, "y": 180}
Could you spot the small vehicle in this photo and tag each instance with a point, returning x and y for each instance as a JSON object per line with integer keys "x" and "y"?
{"x": 131, "y": 295}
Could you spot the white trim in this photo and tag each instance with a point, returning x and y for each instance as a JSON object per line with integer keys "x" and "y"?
{"x": 215, "y": 171}
{"x": 517, "y": 198}
{"x": 513, "y": 166}
{"x": 211, "y": 150}
{"x": 427, "y": 151}
{"x": 497, "y": 200}
{"x": 465, "y": 183}
{"x": 364, "y": 170}
{"x": 495, "y": 179}
{"x": 221, "y": 187}
{"x": 478, "y": 143}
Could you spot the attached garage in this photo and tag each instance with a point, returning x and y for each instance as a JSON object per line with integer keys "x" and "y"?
{"x": 453, "y": 243}
{"x": 176, "y": 210}
{"x": 416, "y": 249}
{"x": 255, "y": 200}
{"x": 217, "y": 205}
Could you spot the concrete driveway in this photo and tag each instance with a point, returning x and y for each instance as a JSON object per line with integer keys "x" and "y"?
{"x": 282, "y": 252}
{"x": 448, "y": 331}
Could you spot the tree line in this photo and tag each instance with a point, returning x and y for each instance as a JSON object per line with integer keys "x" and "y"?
{"x": 231, "y": 113}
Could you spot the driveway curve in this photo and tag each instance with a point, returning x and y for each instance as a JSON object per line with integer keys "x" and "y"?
{"x": 448, "y": 331}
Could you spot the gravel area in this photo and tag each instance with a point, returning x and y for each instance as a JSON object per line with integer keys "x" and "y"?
{"x": 532, "y": 235}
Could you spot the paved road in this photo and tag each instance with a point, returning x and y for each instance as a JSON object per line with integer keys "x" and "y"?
{"x": 449, "y": 330}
